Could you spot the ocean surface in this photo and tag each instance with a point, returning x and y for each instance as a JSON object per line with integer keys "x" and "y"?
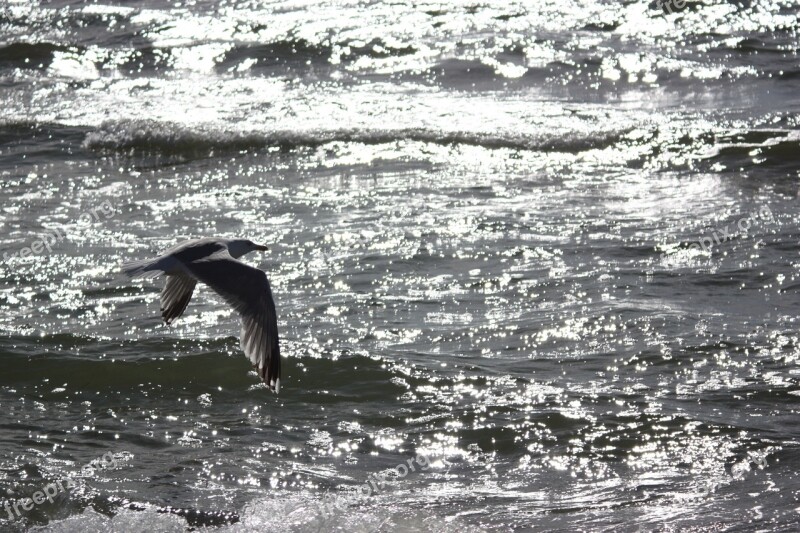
{"x": 535, "y": 264}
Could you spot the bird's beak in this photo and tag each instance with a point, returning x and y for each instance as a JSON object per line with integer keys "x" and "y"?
{"x": 260, "y": 248}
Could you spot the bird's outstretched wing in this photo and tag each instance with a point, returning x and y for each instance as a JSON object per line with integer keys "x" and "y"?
{"x": 176, "y": 295}
{"x": 246, "y": 289}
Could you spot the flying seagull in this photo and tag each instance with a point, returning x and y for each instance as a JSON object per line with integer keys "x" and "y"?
{"x": 214, "y": 262}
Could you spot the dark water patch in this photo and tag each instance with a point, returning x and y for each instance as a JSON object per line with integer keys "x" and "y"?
{"x": 756, "y": 391}
{"x": 795, "y": 287}
{"x": 280, "y": 57}
{"x": 754, "y": 45}
{"x": 500, "y": 440}
{"x": 601, "y": 26}
{"x": 31, "y": 142}
{"x": 15, "y": 131}
{"x": 777, "y": 153}
{"x": 145, "y": 59}
{"x": 376, "y": 49}
{"x": 13, "y": 345}
{"x": 508, "y": 16}
{"x": 90, "y": 373}
{"x": 170, "y": 367}
{"x": 751, "y": 137}
{"x": 461, "y": 73}
{"x": 635, "y": 252}
{"x": 111, "y": 30}
{"x": 31, "y": 55}
{"x": 349, "y": 379}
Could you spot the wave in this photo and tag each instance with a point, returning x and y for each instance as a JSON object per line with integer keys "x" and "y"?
{"x": 168, "y": 364}
{"x": 759, "y": 147}
{"x": 148, "y": 136}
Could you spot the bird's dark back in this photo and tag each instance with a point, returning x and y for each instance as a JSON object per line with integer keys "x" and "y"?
{"x": 191, "y": 251}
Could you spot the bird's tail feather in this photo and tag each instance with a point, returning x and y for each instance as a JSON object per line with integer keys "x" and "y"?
{"x": 146, "y": 268}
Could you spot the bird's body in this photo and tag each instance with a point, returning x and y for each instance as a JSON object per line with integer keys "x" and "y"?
{"x": 215, "y": 262}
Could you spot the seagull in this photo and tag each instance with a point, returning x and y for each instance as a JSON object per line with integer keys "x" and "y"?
{"x": 214, "y": 261}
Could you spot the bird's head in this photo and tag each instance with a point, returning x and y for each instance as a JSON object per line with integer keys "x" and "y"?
{"x": 239, "y": 247}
